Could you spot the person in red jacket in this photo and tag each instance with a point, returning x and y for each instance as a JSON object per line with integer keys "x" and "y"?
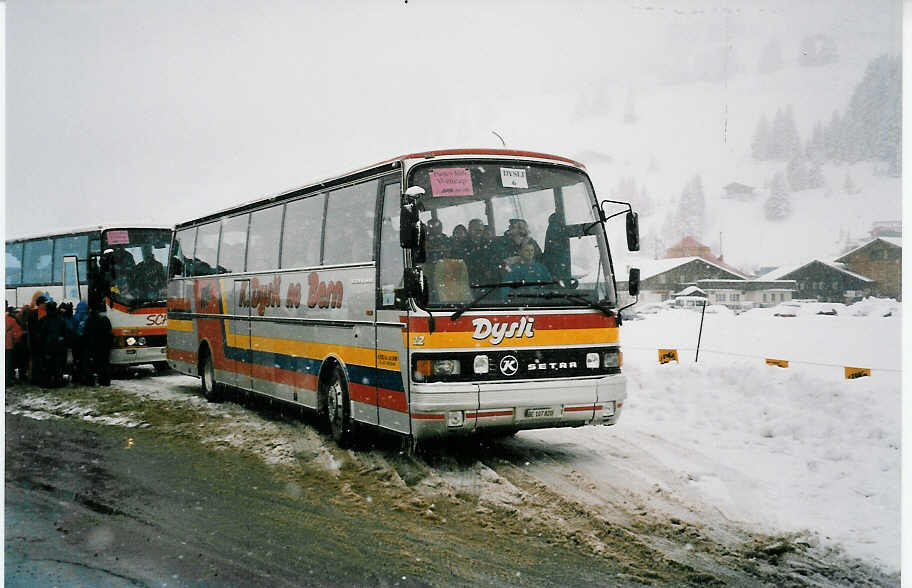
{"x": 13, "y": 334}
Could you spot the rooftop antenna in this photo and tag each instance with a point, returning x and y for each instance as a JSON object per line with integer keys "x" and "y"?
{"x": 502, "y": 142}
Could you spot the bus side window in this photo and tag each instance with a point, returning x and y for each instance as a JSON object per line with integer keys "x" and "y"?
{"x": 182, "y": 256}
{"x": 38, "y": 266}
{"x": 392, "y": 267}
{"x": 13, "y": 264}
{"x": 349, "y": 232}
{"x": 204, "y": 258}
{"x": 302, "y": 233}
{"x": 263, "y": 241}
{"x": 233, "y": 244}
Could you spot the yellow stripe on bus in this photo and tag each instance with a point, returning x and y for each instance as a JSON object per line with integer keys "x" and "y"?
{"x": 556, "y": 337}
{"x": 364, "y": 356}
{"x": 180, "y": 325}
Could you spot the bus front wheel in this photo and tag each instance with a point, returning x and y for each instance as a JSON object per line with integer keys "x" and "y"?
{"x": 338, "y": 408}
{"x": 207, "y": 378}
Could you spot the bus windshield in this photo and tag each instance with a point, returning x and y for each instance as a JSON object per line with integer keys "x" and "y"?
{"x": 512, "y": 233}
{"x": 138, "y": 261}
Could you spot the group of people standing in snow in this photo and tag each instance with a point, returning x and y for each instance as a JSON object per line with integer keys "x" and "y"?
{"x": 40, "y": 335}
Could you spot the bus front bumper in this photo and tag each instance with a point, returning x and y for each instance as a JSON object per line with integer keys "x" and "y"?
{"x": 442, "y": 409}
{"x": 122, "y": 356}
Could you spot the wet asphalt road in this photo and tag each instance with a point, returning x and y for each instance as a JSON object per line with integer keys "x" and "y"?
{"x": 93, "y": 505}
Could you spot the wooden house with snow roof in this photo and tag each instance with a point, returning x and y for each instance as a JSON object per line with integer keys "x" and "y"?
{"x": 824, "y": 281}
{"x": 881, "y": 260}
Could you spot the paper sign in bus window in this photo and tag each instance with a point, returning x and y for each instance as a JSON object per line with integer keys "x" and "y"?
{"x": 451, "y": 181}
{"x": 118, "y": 237}
{"x": 513, "y": 178}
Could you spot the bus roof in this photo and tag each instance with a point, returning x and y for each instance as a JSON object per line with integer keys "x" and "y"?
{"x": 389, "y": 164}
{"x": 88, "y": 229}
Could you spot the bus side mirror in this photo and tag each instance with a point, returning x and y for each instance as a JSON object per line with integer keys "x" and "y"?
{"x": 633, "y": 231}
{"x": 633, "y": 282}
{"x": 416, "y": 285}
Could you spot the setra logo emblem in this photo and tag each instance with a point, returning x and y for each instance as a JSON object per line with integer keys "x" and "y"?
{"x": 509, "y": 365}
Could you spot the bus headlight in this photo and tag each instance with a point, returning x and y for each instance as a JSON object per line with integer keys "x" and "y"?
{"x": 481, "y": 364}
{"x": 611, "y": 359}
{"x": 424, "y": 368}
{"x": 131, "y": 341}
{"x": 592, "y": 360}
{"x": 445, "y": 367}
{"x": 141, "y": 340}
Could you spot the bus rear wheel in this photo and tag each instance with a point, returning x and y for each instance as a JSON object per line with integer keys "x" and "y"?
{"x": 338, "y": 408}
{"x": 210, "y": 387}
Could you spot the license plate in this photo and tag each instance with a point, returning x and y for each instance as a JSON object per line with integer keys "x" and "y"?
{"x": 539, "y": 412}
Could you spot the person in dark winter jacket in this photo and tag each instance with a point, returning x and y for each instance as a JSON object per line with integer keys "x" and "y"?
{"x": 52, "y": 331}
{"x": 80, "y": 349}
{"x": 98, "y": 341}
{"x": 557, "y": 249}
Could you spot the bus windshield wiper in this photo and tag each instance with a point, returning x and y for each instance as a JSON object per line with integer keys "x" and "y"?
{"x": 579, "y": 298}
{"x": 491, "y": 287}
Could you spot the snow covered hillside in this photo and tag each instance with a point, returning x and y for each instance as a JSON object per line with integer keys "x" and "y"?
{"x": 661, "y": 135}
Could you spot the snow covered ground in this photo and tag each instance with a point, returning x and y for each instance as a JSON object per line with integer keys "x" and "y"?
{"x": 720, "y": 446}
{"x": 728, "y": 438}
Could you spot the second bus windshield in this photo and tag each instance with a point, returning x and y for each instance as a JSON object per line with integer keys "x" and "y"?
{"x": 138, "y": 263}
{"x": 501, "y": 223}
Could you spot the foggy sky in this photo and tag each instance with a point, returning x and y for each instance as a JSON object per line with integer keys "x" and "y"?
{"x": 156, "y": 112}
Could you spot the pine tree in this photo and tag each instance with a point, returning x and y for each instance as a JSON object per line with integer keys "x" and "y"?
{"x": 777, "y": 206}
{"x": 833, "y": 139}
{"x": 760, "y": 146}
{"x": 797, "y": 173}
{"x": 873, "y": 120}
{"x": 784, "y": 140}
{"x": 692, "y": 208}
{"x": 816, "y": 148}
{"x": 815, "y": 175}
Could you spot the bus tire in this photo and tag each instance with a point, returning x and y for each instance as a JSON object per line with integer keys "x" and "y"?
{"x": 210, "y": 388}
{"x": 338, "y": 408}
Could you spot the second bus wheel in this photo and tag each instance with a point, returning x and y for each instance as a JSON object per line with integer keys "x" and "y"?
{"x": 338, "y": 408}
{"x": 211, "y": 389}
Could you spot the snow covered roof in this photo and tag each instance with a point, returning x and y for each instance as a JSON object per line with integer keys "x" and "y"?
{"x": 895, "y": 241}
{"x": 690, "y": 291}
{"x": 654, "y": 267}
{"x": 778, "y": 273}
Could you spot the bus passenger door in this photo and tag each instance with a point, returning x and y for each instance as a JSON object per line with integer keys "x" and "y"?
{"x": 237, "y": 335}
{"x": 391, "y": 320}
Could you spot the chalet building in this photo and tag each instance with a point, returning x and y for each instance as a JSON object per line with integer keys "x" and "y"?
{"x": 738, "y": 294}
{"x": 738, "y": 191}
{"x": 880, "y": 260}
{"x": 660, "y": 279}
{"x": 690, "y": 247}
{"x": 692, "y": 277}
{"x": 825, "y": 281}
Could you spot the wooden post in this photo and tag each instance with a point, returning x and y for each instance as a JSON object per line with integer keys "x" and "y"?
{"x": 700, "y": 336}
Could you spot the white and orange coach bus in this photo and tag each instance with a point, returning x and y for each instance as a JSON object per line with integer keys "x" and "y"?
{"x": 352, "y": 296}
{"x": 120, "y": 267}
